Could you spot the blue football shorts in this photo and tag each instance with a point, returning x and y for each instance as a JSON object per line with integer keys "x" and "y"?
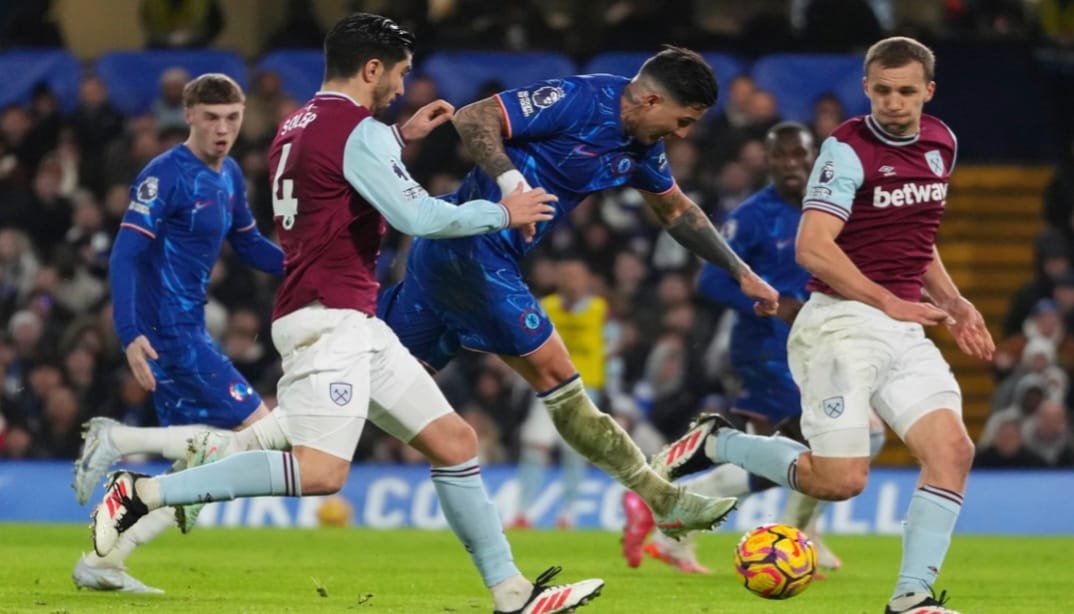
{"x": 197, "y": 384}
{"x": 457, "y": 295}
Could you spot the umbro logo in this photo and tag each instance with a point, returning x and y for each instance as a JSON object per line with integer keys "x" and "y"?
{"x": 887, "y": 170}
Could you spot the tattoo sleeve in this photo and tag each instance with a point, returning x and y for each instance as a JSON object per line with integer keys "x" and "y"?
{"x": 688, "y": 224}
{"x": 480, "y": 127}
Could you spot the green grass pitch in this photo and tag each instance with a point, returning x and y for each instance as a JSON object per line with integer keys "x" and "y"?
{"x": 409, "y": 571}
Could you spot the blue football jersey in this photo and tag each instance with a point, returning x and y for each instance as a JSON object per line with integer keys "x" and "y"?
{"x": 566, "y": 136}
{"x": 762, "y": 231}
{"x": 187, "y": 209}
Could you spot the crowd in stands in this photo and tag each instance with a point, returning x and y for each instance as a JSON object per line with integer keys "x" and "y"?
{"x": 65, "y": 181}
{"x": 1030, "y": 423}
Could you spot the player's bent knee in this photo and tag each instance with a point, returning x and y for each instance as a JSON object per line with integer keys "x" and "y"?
{"x": 321, "y": 473}
{"x": 837, "y": 479}
{"x": 449, "y": 440}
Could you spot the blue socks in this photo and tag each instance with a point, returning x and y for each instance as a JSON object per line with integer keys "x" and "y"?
{"x": 775, "y": 458}
{"x": 247, "y": 474}
{"x": 475, "y": 520}
{"x": 926, "y": 537}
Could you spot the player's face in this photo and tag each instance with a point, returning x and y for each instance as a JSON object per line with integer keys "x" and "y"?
{"x": 790, "y": 158}
{"x": 663, "y": 117}
{"x": 213, "y": 128}
{"x": 898, "y": 96}
{"x": 390, "y": 85}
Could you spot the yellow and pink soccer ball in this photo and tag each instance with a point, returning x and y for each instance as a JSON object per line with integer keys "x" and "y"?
{"x": 775, "y": 561}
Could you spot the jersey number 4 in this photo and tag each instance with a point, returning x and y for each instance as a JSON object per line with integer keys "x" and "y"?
{"x": 284, "y": 203}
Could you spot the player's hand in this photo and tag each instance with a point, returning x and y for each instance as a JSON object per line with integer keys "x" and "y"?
{"x": 427, "y": 119}
{"x": 969, "y": 330}
{"x": 526, "y": 207}
{"x": 788, "y": 309}
{"x": 758, "y": 289}
{"x": 138, "y": 354}
{"x": 925, "y": 314}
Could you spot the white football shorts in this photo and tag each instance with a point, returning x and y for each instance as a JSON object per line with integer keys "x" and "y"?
{"x": 848, "y": 357}
{"x": 342, "y": 367}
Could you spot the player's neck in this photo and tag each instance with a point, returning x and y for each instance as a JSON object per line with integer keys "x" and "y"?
{"x": 351, "y": 88}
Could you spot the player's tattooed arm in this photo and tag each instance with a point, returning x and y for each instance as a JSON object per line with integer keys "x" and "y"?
{"x": 688, "y": 224}
{"x": 480, "y": 127}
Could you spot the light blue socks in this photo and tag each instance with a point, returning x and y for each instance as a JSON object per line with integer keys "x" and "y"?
{"x": 475, "y": 520}
{"x": 926, "y": 537}
{"x": 246, "y": 474}
{"x": 775, "y": 458}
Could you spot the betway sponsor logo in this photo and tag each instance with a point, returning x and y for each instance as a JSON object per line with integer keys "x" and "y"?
{"x": 909, "y": 194}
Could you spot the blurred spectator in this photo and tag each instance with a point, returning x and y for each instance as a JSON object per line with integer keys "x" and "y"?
{"x": 18, "y": 270}
{"x": 298, "y": 30}
{"x": 80, "y": 371}
{"x": 1043, "y": 324}
{"x": 1048, "y": 434}
{"x": 60, "y": 435}
{"x": 16, "y": 442}
{"x": 167, "y": 109}
{"x": 262, "y": 104}
{"x": 45, "y": 121}
{"x": 180, "y": 24}
{"x": 1028, "y": 394}
{"x": 87, "y": 234}
{"x": 95, "y": 123}
{"x": 1052, "y": 263}
{"x": 126, "y": 156}
{"x": 15, "y": 127}
{"x": 1007, "y": 450}
{"x": 51, "y": 210}
{"x": 828, "y": 113}
{"x": 715, "y": 136}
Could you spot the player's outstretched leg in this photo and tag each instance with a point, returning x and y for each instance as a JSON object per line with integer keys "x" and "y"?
{"x": 604, "y": 443}
{"x": 106, "y": 441}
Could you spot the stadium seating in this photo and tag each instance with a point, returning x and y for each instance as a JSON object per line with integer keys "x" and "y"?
{"x": 460, "y": 75}
{"x": 798, "y": 80}
{"x": 726, "y": 67}
{"x": 22, "y": 69}
{"x": 300, "y": 70}
{"x": 132, "y": 76}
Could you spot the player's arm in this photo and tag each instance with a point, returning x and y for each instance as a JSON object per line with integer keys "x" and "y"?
{"x": 968, "y": 329}
{"x": 684, "y": 220}
{"x": 137, "y": 231}
{"x": 372, "y": 164}
{"x": 716, "y": 284}
{"x": 252, "y": 247}
{"x": 482, "y": 126}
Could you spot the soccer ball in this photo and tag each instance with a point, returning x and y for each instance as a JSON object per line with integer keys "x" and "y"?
{"x": 775, "y": 561}
{"x": 335, "y": 511}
